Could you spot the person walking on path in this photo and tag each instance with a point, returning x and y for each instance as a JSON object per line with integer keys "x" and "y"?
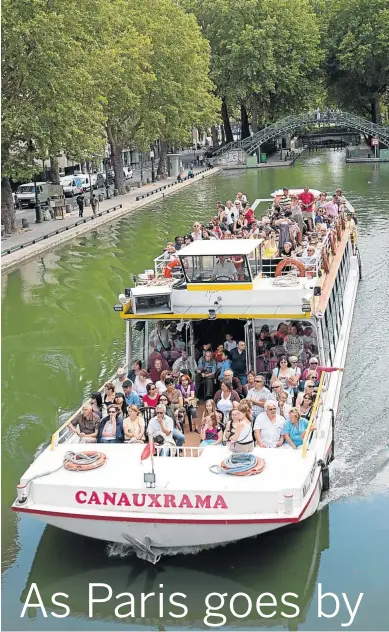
{"x": 80, "y": 203}
{"x": 94, "y": 204}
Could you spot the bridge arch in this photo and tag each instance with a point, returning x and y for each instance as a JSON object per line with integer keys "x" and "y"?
{"x": 296, "y": 121}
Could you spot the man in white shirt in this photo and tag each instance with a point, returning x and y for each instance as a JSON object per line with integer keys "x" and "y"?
{"x": 269, "y": 427}
{"x": 185, "y": 365}
{"x": 259, "y": 395}
{"x": 121, "y": 376}
{"x": 163, "y": 425}
{"x": 224, "y": 268}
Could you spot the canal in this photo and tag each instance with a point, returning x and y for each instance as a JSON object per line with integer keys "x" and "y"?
{"x": 60, "y": 338}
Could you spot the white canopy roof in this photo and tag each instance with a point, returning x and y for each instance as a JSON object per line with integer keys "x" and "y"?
{"x": 218, "y": 247}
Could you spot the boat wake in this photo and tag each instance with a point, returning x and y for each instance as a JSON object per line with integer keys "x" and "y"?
{"x": 115, "y": 549}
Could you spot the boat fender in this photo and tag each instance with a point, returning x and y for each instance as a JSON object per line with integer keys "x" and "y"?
{"x": 333, "y": 243}
{"x": 83, "y": 461}
{"x": 325, "y": 476}
{"x": 290, "y": 262}
{"x": 167, "y": 273}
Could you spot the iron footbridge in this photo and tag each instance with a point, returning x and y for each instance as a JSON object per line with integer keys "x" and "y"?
{"x": 294, "y": 122}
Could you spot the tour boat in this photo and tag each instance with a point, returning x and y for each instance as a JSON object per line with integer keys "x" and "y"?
{"x": 164, "y": 503}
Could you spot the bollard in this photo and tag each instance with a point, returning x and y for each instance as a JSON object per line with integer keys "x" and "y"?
{"x": 25, "y": 223}
{"x": 68, "y": 208}
{"x": 116, "y": 192}
{"x": 128, "y": 188}
{"x": 101, "y": 197}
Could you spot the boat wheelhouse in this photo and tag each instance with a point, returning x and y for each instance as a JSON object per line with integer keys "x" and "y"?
{"x": 209, "y": 289}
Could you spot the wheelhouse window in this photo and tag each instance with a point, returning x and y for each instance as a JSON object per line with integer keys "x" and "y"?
{"x": 216, "y": 269}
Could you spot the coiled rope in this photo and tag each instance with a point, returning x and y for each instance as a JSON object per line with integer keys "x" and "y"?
{"x": 82, "y": 461}
{"x": 239, "y": 465}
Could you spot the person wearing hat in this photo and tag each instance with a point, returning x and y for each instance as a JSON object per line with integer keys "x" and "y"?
{"x": 121, "y": 376}
{"x": 293, "y": 365}
{"x": 314, "y": 366}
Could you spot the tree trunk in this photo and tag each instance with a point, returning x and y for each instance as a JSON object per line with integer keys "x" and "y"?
{"x": 162, "y": 165}
{"x": 223, "y": 134}
{"x": 215, "y": 138}
{"x": 116, "y": 161}
{"x": 53, "y": 172}
{"x": 245, "y": 127}
{"x": 254, "y": 115}
{"x": 7, "y": 206}
{"x": 375, "y": 109}
{"x": 226, "y": 122}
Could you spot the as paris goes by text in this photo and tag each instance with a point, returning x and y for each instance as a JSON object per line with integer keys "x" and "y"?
{"x": 219, "y": 608}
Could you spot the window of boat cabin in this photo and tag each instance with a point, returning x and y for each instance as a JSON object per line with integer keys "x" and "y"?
{"x": 221, "y": 268}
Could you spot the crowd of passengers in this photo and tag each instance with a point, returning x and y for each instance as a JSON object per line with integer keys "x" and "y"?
{"x": 270, "y": 407}
{"x": 293, "y": 226}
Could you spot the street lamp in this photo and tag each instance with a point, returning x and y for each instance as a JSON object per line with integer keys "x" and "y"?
{"x": 152, "y": 156}
{"x": 106, "y": 178}
{"x": 38, "y": 215}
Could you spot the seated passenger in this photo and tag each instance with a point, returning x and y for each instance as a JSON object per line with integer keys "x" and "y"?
{"x": 161, "y": 428}
{"x": 242, "y": 440}
{"x": 283, "y": 408}
{"x": 294, "y": 429}
{"x": 151, "y": 399}
{"x": 170, "y": 253}
{"x": 259, "y": 395}
{"x": 230, "y": 343}
{"x": 270, "y": 247}
{"x": 136, "y": 367}
{"x": 96, "y": 401}
{"x": 309, "y": 389}
{"x": 250, "y": 383}
{"x": 121, "y": 403}
{"x": 287, "y": 251}
{"x": 169, "y": 410}
{"x": 161, "y": 386}
{"x": 173, "y": 394}
{"x": 156, "y": 367}
{"x": 141, "y": 381}
{"x": 109, "y": 395}
{"x": 111, "y": 427}
{"x": 235, "y": 381}
{"x": 130, "y": 396}
{"x": 293, "y": 342}
{"x": 224, "y": 365}
{"x": 268, "y": 427}
{"x": 85, "y": 424}
{"x": 205, "y": 374}
{"x": 225, "y": 397}
{"x": 134, "y": 426}
{"x": 282, "y": 372}
{"x": 293, "y": 360}
{"x": 120, "y": 379}
{"x": 187, "y": 389}
{"x": 305, "y": 407}
{"x": 224, "y": 268}
{"x": 211, "y": 432}
{"x": 314, "y": 365}
{"x": 184, "y": 365}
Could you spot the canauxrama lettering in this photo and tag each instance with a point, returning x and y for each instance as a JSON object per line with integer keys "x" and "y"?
{"x": 159, "y": 501}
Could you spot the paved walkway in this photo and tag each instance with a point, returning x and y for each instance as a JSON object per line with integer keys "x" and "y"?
{"x": 45, "y": 240}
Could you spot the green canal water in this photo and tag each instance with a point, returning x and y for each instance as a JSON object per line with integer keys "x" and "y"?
{"x": 60, "y": 338}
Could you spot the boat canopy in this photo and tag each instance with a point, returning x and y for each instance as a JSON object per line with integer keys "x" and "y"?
{"x": 216, "y": 247}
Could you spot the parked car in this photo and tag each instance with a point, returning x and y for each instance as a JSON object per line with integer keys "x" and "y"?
{"x": 128, "y": 173}
{"x": 98, "y": 180}
{"x": 70, "y": 186}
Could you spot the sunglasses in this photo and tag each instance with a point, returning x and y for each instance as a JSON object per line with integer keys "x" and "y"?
{"x": 259, "y": 381}
{"x": 112, "y": 412}
{"x": 161, "y": 413}
{"x": 272, "y": 408}
{"x": 313, "y": 363}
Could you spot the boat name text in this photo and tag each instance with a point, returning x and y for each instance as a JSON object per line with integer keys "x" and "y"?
{"x": 157, "y": 501}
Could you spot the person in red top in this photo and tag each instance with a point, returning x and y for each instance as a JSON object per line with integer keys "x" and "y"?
{"x": 307, "y": 199}
{"x": 249, "y": 216}
{"x": 152, "y": 397}
{"x": 314, "y": 366}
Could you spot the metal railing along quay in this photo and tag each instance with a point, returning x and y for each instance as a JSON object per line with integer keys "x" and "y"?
{"x": 58, "y": 231}
{"x": 171, "y": 184}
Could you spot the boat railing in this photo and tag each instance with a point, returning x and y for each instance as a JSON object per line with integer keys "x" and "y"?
{"x": 159, "y": 263}
{"x": 314, "y": 415}
{"x": 167, "y": 450}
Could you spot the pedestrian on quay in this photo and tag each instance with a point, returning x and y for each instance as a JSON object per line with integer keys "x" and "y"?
{"x": 94, "y": 204}
{"x": 80, "y": 204}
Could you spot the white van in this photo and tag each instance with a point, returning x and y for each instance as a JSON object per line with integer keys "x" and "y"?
{"x": 25, "y": 193}
{"x": 70, "y": 188}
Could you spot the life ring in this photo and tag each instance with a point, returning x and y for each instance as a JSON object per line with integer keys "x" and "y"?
{"x": 326, "y": 265}
{"x": 174, "y": 263}
{"x": 338, "y": 230}
{"x": 83, "y": 461}
{"x": 333, "y": 243}
{"x": 290, "y": 262}
{"x": 256, "y": 469}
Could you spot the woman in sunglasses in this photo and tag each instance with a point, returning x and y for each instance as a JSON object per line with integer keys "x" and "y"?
{"x": 314, "y": 366}
{"x": 111, "y": 427}
{"x": 152, "y": 398}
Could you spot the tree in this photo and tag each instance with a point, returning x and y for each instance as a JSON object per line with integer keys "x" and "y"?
{"x": 358, "y": 53}
{"x": 48, "y": 99}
